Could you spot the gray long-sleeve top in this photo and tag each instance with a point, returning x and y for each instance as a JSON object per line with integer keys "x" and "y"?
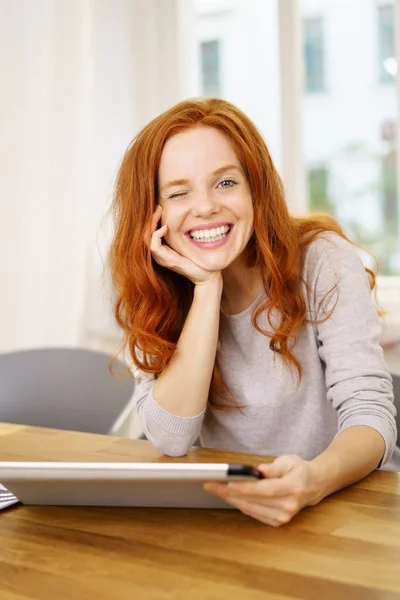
{"x": 344, "y": 382}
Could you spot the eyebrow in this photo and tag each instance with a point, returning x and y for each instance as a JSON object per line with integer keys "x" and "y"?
{"x": 213, "y": 174}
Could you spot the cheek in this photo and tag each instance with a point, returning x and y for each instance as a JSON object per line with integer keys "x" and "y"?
{"x": 173, "y": 218}
{"x": 244, "y": 210}
{"x": 250, "y": 212}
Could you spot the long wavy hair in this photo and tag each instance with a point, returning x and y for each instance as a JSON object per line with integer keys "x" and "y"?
{"x": 152, "y": 302}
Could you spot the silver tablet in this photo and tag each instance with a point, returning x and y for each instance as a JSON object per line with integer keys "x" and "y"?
{"x": 120, "y": 484}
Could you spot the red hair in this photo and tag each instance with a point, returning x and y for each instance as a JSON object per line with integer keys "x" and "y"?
{"x": 152, "y": 302}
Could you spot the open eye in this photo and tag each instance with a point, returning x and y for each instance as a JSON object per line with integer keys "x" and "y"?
{"x": 227, "y": 183}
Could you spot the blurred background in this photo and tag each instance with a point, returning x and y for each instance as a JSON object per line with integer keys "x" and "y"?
{"x": 81, "y": 77}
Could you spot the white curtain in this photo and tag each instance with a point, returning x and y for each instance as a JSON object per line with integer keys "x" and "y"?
{"x": 79, "y": 78}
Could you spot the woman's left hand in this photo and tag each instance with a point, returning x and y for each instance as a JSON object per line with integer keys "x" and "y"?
{"x": 290, "y": 484}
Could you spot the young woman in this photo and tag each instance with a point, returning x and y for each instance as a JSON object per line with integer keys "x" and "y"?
{"x": 248, "y": 327}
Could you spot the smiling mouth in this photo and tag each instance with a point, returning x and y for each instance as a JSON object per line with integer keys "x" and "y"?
{"x": 210, "y": 235}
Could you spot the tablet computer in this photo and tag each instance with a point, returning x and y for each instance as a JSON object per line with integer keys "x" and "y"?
{"x": 174, "y": 485}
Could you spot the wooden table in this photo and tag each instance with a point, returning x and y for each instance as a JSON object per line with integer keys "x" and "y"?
{"x": 347, "y": 547}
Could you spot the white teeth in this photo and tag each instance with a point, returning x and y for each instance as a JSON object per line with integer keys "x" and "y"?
{"x": 210, "y": 235}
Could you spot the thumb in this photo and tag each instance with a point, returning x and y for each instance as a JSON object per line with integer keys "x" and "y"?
{"x": 280, "y": 466}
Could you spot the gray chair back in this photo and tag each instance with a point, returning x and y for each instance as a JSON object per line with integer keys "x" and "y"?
{"x": 62, "y": 388}
{"x": 396, "y": 390}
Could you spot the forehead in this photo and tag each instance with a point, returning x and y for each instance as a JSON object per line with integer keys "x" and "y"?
{"x": 196, "y": 152}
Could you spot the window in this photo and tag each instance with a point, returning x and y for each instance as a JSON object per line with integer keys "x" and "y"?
{"x": 352, "y": 131}
{"x": 318, "y": 190}
{"x": 389, "y": 252}
{"x": 386, "y": 54}
{"x": 210, "y": 68}
{"x": 342, "y": 147}
{"x": 313, "y": 35}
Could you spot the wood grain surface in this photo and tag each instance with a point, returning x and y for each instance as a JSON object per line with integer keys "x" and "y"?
{"x": 346, "y": 547}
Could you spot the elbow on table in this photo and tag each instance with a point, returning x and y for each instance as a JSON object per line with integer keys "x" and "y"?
{"x": 172, "y": 447}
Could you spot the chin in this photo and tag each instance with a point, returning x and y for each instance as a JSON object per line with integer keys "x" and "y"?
{"x": 213, "y": 264}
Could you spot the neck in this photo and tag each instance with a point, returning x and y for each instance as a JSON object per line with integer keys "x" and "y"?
{"x": 242, "y": 285}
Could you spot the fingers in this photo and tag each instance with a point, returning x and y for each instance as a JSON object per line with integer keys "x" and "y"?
{"x": 158, "y": 234}
{"x": 280, "y": 466}
{"x": 275, "y": 499}
{"x": 268, "y": 492}
{"x": 270, "y": 516}
{"x": 161, "y": 253}
{"x": 156, "y": 239}
{"x": 154, "y": 236}
{"x": 279, "y": 481}
{"x": 274, "y": 510}
{"x": 156, "y": 217}
{"x": 167, "y": 257}
{"x": 289, "y": 482}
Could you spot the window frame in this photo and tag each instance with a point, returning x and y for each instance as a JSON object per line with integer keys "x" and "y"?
{"x": 383, "y": 77}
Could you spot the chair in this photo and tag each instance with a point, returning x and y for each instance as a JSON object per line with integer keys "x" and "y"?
{"x": 396, "y": 391}
{"x": 63, "y": 388}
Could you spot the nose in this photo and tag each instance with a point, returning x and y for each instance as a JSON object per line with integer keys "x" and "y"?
{"x": 204, "y": 205}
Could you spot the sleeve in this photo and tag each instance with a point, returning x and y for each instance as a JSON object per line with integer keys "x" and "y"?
{"x": 170, "y": 434}
{"x": 357, "y": 380}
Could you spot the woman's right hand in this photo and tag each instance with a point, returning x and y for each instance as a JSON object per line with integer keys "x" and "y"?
{"x": 167, "y": 257}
